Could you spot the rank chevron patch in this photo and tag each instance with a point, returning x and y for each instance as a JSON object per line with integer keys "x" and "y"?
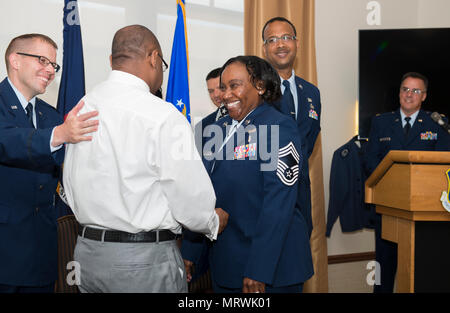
{"x": 287, "y": 167}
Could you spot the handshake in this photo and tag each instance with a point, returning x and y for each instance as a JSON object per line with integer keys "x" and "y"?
{"x": 223, "y": 220}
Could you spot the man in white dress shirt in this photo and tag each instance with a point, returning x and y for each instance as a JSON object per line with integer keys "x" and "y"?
{"x": 131, "y": 188}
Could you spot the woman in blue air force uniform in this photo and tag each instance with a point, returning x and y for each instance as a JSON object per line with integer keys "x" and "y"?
{"x": 255, "y": 171}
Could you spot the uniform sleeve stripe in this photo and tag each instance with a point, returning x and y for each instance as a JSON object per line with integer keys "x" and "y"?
{"x": 284, "y": 166}
{"x": 288, "y": 164}
{"x": 287, "y": 149}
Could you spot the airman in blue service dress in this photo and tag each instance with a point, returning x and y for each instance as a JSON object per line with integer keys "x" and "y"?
{"x": 308, "y": 123}
{"x": 266, "y": 238}
{"x": 387, "y": 134}
{"x": 28, "y": 177}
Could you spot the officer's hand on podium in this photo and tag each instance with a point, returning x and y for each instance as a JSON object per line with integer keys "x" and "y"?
{"x": 223, "y": 219}
{"x": 188, "y": 266}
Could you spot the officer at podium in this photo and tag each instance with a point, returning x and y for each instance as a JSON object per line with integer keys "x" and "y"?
{"x": 408, "y": 128}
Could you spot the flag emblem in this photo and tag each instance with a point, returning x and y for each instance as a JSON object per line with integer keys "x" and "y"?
{"x": 445, "y": 198}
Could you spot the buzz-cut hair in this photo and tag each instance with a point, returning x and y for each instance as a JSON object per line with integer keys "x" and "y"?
{"x": 20, "y": 41}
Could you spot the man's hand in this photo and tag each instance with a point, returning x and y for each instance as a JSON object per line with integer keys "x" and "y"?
{"x": 188, "y": 266}
{"x": 75, "y": 127}
{"x": 223, "y": 219}
{"x": 252, "y": 286}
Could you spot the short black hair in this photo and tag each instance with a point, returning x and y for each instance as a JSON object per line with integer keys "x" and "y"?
{"x": 278, "y": 19}
{"x": 260, "y": 71}
{"x": 214, "y": 73}
{"x": 132, "y": 42}
{"x": 415, "y": 75}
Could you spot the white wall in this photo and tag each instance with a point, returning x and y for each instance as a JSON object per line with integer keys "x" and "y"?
{"x": 434, "y": 13}
{"x": 215, "y": 33}
{"x": 337, "y": 25}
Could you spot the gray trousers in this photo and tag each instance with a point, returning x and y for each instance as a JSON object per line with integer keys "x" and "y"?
{"x": 129, "y": 267}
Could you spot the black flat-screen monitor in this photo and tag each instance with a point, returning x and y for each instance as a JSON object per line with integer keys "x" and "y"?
{"x": 385, "y": 55}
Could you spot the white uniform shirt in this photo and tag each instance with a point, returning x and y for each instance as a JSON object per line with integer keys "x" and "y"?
{"x": 133, "y": 176}
{"x": 412, "y": 116}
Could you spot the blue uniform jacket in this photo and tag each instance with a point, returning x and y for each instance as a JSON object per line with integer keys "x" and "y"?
{"x": 387, "y": 134}
{"x": 28, "y": 178}
{"x": 266, "y": 238}
{"x": 308, "y": 123}
{"x": 347, "y": 179}
{"x": 199, "y": 128}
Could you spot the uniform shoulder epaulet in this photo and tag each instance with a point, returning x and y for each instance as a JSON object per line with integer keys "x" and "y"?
{"x": 378, "y": 114}
{"x": 344, "y": 151}
{"x": 443, "y": 115}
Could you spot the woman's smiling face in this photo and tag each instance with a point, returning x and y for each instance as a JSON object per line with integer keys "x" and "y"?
{"x": 239, "y": 94}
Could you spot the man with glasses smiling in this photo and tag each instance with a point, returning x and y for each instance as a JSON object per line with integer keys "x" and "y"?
{"x": 43, "y": 60}
{"x": 301, "y": 99}
{"x": 408, "y": 128}
{"x": 32, "y": 135}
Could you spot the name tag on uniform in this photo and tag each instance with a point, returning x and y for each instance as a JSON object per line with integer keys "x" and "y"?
{"x": 385, "y": 139}
{"x": 428, "y": 136}
{"x": 313, "y": 114}
{"x": 245, "y": 151}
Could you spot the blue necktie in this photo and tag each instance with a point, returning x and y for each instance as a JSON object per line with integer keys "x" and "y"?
{"x": 288, "y": 105}
{"x": 29, "y": 110}
{"x": 407, "y": 127}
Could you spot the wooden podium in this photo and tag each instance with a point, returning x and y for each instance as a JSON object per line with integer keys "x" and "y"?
{"x": 406, "y": 188}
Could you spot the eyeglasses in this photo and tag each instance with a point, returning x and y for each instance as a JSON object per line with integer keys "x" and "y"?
{"x": 164, "y": 64}
{"x": 415, "y": 90}
{"x": 274, "y": 40}
{"x": 42, "y": 60}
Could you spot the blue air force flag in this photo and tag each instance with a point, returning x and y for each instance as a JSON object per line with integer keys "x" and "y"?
{"x": 178, "y": 84}
{"x": 72, "y": 87}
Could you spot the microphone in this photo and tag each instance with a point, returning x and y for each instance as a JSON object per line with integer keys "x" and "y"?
{"x": 435, "y": 116}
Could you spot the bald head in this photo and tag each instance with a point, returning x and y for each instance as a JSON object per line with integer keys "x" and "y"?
{"x": 136, "y": 50}
{"x": 132, "y": 43}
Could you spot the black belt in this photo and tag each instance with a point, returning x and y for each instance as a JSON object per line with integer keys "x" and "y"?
{"x": 121, "y": 236}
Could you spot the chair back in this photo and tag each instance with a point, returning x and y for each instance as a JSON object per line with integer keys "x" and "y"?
{"x": 67, "y": 238}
